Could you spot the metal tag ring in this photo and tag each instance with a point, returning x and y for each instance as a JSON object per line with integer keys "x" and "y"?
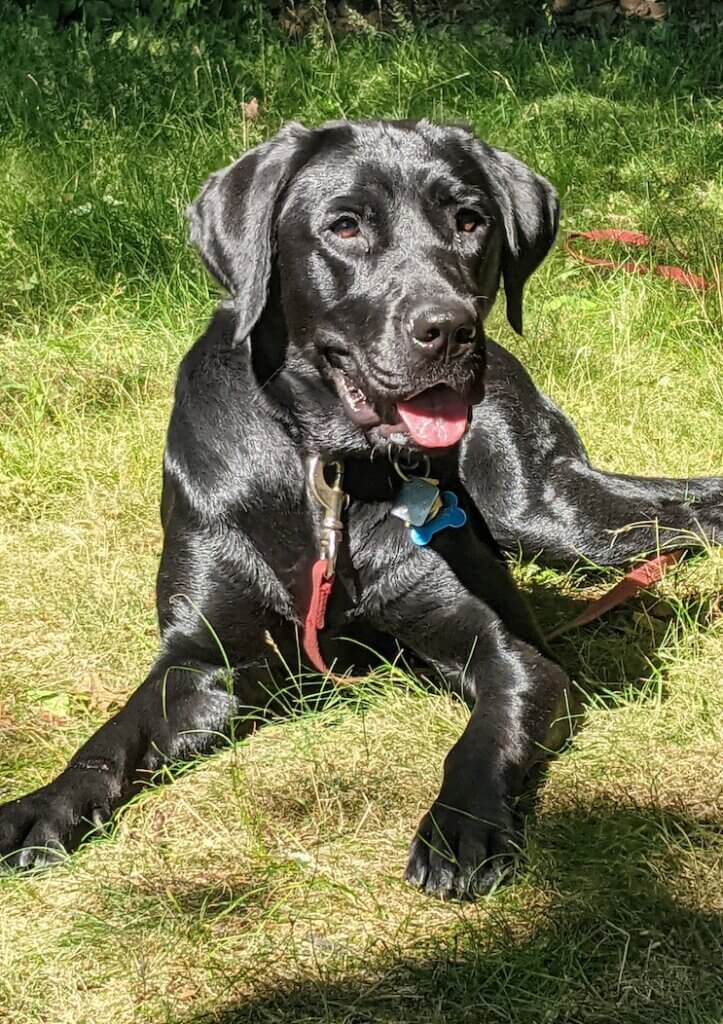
{"x": 413, "y": 466}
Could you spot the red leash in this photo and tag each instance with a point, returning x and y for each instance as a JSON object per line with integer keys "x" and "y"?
{"x": 333, "y": 501}
{"x": 322, "y": 581}
{"x": 639, "y": 578}
{"x": 640, "y": 240}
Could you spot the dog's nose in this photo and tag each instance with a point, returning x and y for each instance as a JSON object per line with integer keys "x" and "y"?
{"x": 444, "y": 330}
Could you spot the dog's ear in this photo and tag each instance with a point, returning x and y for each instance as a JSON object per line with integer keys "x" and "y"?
{"x": 232, "y": 220}
{"x": 530, "y": 213}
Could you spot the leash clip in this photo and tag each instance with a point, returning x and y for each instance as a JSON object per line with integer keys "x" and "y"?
{"x": 333, "y": 500}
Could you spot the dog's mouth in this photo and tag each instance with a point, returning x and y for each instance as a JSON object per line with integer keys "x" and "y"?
{"x": 436, "y": 417}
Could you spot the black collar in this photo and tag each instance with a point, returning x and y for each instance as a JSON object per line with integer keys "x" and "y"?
{"x": 376, "y": 478}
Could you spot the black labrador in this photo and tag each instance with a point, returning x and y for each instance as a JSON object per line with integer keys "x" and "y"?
{"x": 362, "y": 260}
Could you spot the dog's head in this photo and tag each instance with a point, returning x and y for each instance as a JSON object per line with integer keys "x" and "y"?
{"x": 383, "y": 244}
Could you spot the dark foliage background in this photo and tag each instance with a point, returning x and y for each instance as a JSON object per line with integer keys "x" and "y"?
{"x": 298, "y": 17}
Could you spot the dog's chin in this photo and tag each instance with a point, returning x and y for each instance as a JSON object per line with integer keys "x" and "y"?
{"x": 432, "y": 418}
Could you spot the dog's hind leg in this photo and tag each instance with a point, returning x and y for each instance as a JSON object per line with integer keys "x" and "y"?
{"x": 527, "y": 471}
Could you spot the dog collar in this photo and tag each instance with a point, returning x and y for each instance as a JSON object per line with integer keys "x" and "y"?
{"x": 447, "y": 513}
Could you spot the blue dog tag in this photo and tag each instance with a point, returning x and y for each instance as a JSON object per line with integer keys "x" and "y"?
{"x": 449, "y": 515}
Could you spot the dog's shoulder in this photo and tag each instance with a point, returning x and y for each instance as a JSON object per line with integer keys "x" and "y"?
{"x": 503, "y": 371}
{"x": 216, "y": 367}
{"x": 225, "y": 446}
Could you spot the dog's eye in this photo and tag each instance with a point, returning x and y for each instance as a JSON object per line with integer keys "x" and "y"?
{"x": 346, "y": 227}
{"x": 468, "y": 221}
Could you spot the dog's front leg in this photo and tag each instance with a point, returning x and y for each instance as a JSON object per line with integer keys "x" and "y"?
{"x": 463, "y": 843}
{"x": 519, "y": 701}
{"x": 184, "y": 708}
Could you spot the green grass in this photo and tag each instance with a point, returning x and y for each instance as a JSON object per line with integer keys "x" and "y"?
{"x": 265, "y": 885}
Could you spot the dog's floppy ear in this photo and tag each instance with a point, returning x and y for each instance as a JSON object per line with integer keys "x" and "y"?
{"x": 530, "y": 213}
{"x": 232, "y": 220}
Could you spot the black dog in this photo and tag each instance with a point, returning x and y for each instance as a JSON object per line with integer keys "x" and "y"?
{"x": 362, "y": 260}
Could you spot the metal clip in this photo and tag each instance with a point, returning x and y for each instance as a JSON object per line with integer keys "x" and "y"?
{"x": 332, "y": 500}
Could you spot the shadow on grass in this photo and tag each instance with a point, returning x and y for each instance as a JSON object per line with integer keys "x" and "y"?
{"x": 609, "y": 939}
{"x": 617, "y": 920}
{"x": 624, "y": 649}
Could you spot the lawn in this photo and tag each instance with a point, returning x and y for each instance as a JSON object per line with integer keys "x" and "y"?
{"x": 264, "y": 885}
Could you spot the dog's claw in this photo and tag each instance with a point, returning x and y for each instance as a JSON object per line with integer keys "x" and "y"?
{"x": 458, "y": 855}
{"x": 42, "y": 828}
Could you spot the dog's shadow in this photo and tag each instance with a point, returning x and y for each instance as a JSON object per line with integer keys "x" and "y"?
{"x": 610, "y": 941}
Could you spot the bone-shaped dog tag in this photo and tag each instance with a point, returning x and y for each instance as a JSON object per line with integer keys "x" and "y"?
{"x": 418, "y": 501}
{"x": 449, "y": 515}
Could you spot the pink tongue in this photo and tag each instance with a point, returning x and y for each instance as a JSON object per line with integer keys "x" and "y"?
{"x": 436, "y": 419}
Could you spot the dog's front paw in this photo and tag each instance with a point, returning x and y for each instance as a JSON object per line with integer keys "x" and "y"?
{"x": 41, "y": 828}
{"x": 460, "y": 854}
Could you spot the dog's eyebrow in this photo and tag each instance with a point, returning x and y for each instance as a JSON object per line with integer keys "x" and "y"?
{"x": 355, "y": 200}
{"x": 447, "y": 192}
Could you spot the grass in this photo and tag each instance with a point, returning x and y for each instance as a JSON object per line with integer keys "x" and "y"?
{"x": 264, "y": 885}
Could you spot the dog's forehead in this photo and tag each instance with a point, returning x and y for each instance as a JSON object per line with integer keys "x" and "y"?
{"x": 383, "y": 159}
{"x": 388, "y": 142}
